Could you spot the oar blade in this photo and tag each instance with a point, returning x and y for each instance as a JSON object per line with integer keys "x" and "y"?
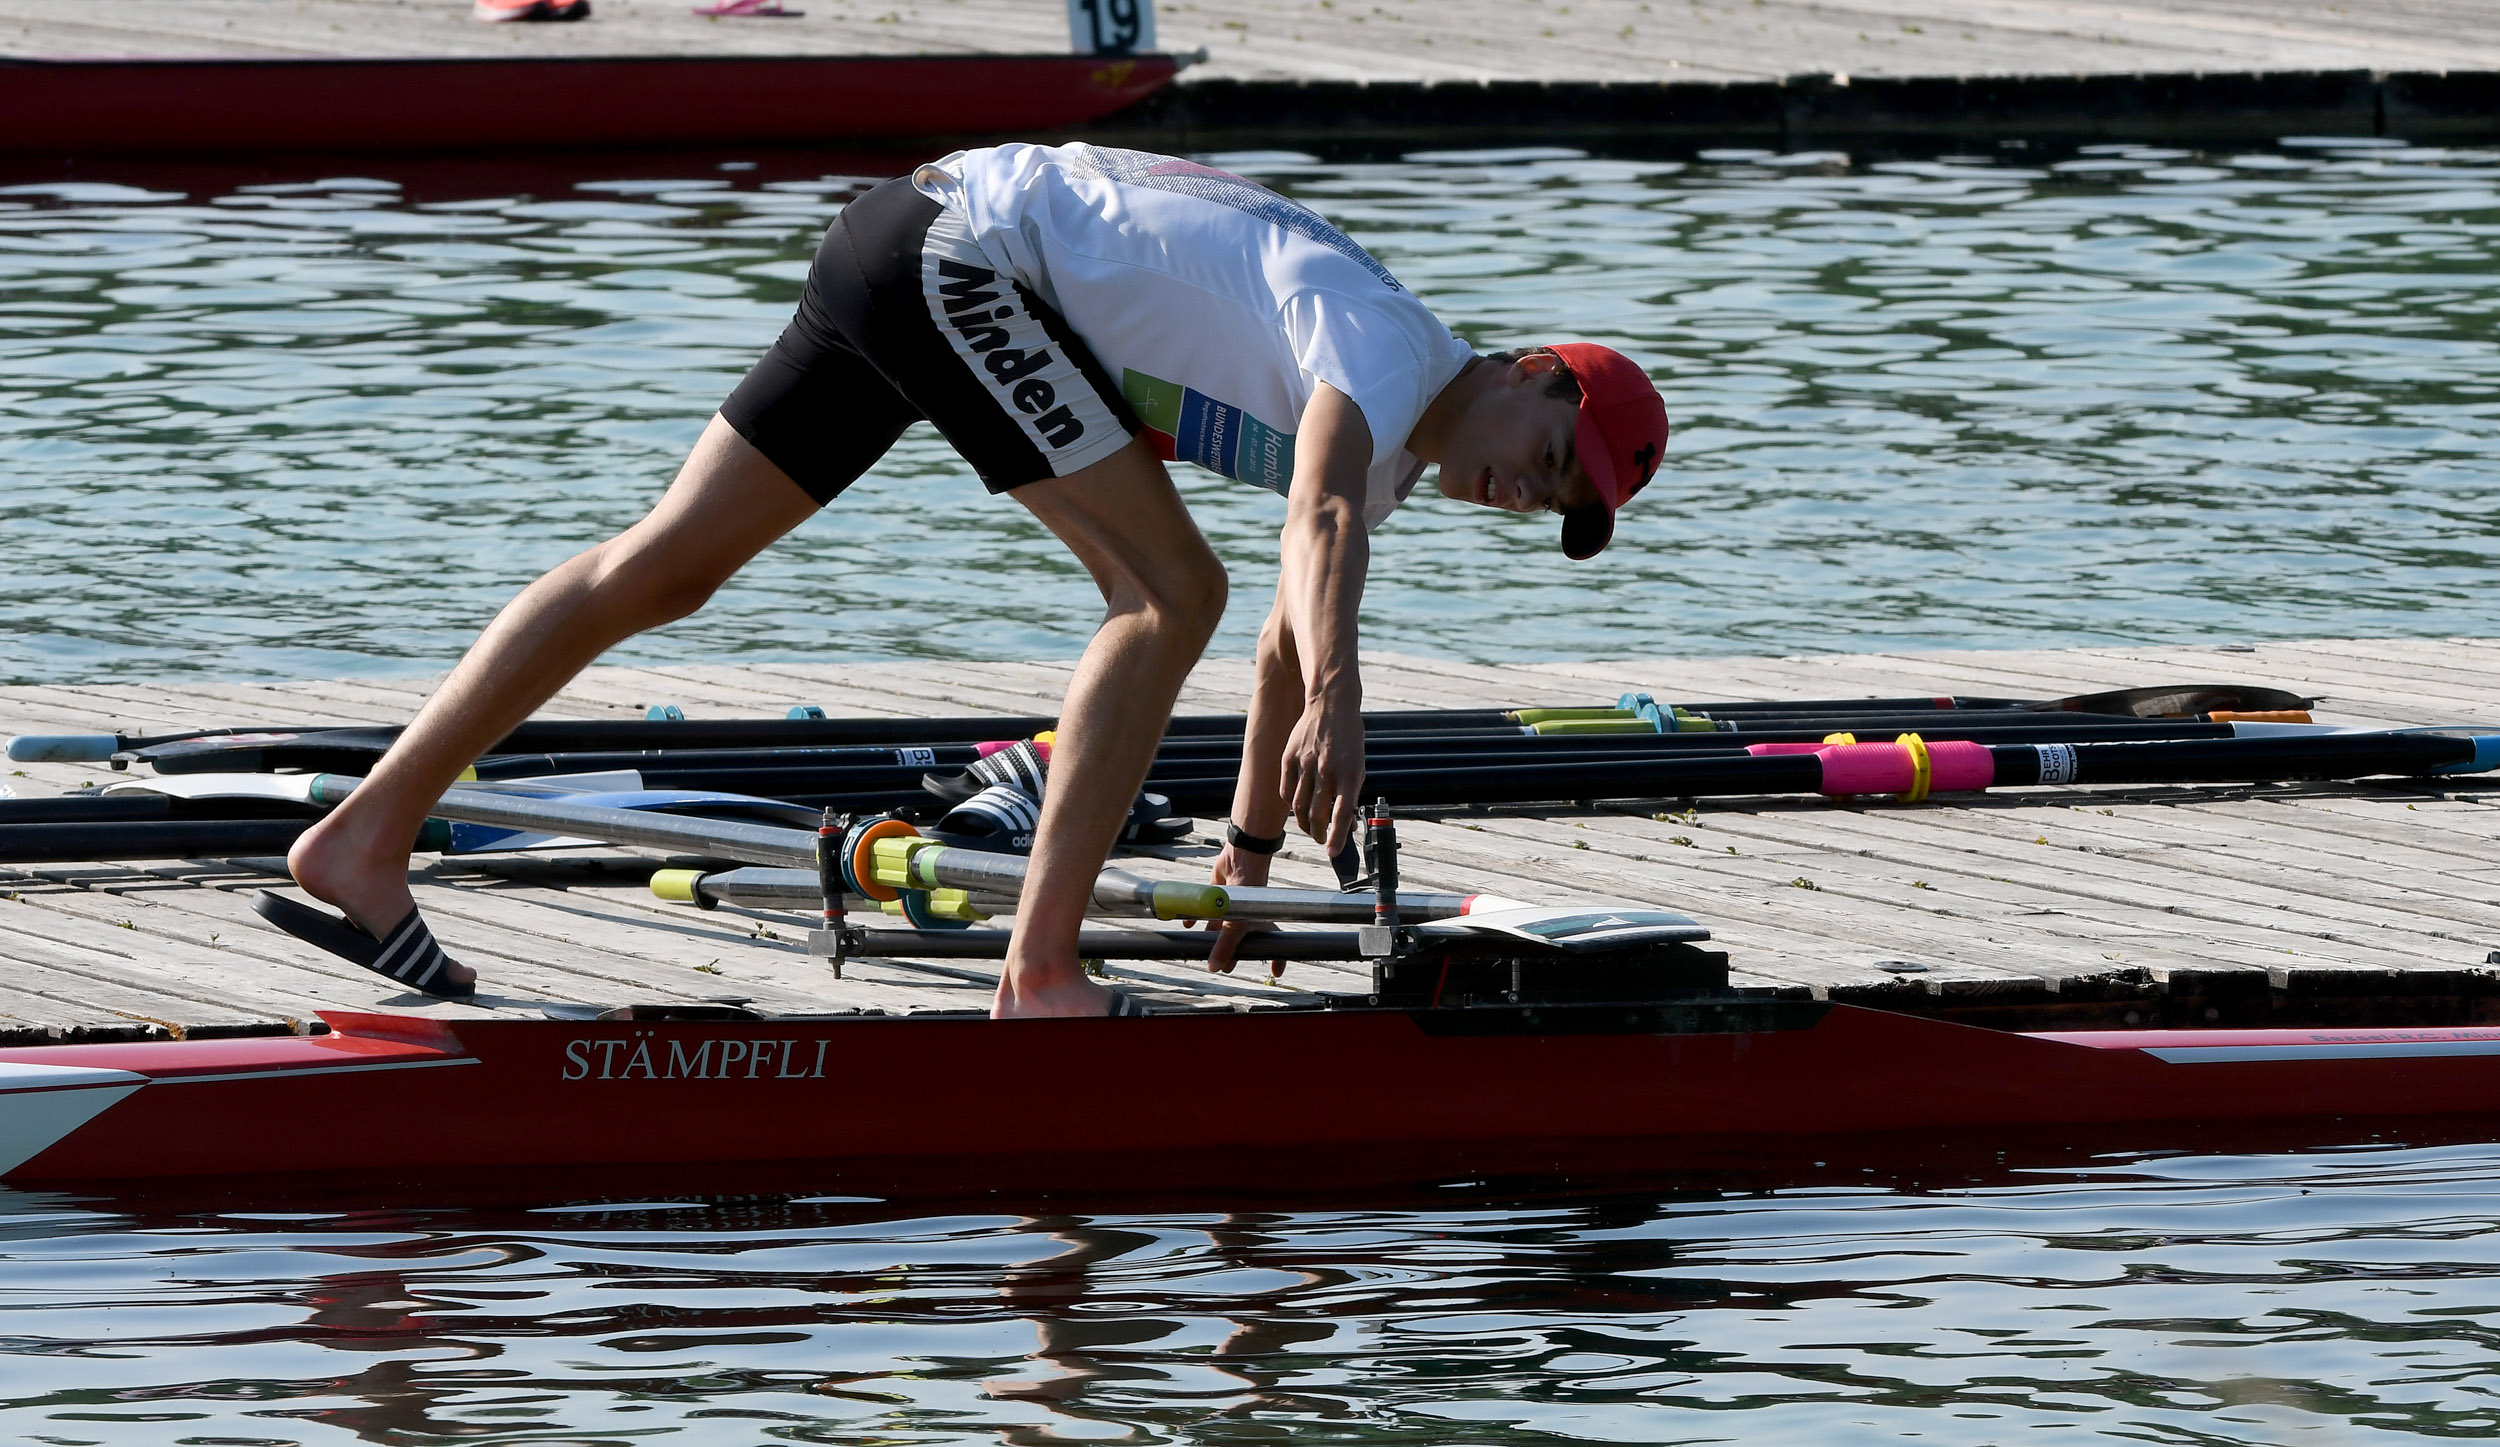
{"x": 2180, "y": 700}
{"x": 1585, "y": 925}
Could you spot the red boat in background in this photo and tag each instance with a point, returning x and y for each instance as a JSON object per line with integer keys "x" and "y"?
{"x": 218, "y": 107}
{"x": 1304, "y": 1099}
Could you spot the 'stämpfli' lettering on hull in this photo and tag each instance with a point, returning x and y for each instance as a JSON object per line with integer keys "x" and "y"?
{"x": 641, "y": 1056}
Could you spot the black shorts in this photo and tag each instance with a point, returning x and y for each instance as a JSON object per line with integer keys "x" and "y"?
{"x": 904, "y": 319}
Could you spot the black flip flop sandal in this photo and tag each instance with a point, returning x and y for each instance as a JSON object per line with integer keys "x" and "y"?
{"x": 1151, "y": 821}
{"x": 1125, "y": 1005}
{"x": 1019, "y": 765}
{"x": 408, "y": 953}
{"x": 1000, "y": 819}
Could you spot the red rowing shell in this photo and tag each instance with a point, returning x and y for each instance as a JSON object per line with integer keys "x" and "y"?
{"x": 1233, "y": 1102}
{"x": 161, "y": 108}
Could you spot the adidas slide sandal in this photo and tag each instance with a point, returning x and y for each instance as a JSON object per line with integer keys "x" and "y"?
{"x": 1000, "y": 819}
{"x": 408, "y": 953}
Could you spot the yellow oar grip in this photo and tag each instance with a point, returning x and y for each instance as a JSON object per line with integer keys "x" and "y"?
{"x": 1191, "y": 901}
{"x": 955, "y": 904}
{"x": 1597, "y": 726}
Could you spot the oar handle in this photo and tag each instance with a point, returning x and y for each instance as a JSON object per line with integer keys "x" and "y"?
{"x": 63, "y": 748}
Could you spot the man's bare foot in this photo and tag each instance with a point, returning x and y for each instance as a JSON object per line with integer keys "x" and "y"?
{"x": 337, "y": 862}
{"x": 1055, "y": 994}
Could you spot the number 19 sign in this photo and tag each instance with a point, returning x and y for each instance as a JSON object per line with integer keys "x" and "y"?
{"x": 1111, "y": 27}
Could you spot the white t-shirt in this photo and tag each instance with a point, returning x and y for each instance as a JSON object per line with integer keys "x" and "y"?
{"x": 1216, "y": 304}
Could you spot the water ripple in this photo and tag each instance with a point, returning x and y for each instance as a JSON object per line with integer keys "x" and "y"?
{"x": 2130, "y": 394}
{"x": 2195, "y": 1299}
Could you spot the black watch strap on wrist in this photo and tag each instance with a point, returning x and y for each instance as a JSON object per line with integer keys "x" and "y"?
{"x": 1250, "y": 843}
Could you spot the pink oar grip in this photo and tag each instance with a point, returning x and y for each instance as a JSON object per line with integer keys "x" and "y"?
{"x": 1960, "y": 764}
{"x": 1957, "y": 764}
{"x": 1866, "y": 769}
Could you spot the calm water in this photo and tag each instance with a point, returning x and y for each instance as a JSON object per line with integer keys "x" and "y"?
{"x": 2334, "y": 1298}
{"x": 328, "y": 426}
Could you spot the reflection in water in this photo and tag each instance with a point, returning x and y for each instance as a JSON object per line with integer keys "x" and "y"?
{"x": 300, "y": 429}
{"x": 2184, "y": 1299}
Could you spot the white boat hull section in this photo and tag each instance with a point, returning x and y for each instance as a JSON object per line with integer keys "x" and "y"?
{"x": 2322, "y": 1050}
{"x": 40, "y": 1104}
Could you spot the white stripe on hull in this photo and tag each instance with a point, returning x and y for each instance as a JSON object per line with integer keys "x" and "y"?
{"x": 41, "y": 1104}
{"x": 2337, "y": 1050}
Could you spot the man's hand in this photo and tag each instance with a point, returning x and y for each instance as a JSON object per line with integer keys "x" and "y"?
{"x": 1323, "y": 769}
{"x": 1238, "y": 866}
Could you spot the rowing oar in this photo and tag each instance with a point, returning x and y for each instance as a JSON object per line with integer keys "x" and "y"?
{"x": 205, "y": 816}
{"x": 799, "y": 889}
{"x": 1115, "y": 890}
{"x": 914, "y": 863}
{"x": 122, "y": 828}
{"x": 1206, "y": 778}
{"x": 758, "y": 887}
{"x": 1571, "y": 770}
{"x": 1914, "y": 768}
{"x": 574, "y": 736}
{"x": 1799, "y": 768}
{"x": 1102, "y": 944}
{"x": 900, "y": 862}
{"x": 869, "y": 766}
{"x": 69, "y": 843}
{"x": 355, "y": 750}
{"x": 2181, "y": 700}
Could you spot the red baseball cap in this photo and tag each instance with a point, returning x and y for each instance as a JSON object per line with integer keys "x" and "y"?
{"x": 1621, "y": 436}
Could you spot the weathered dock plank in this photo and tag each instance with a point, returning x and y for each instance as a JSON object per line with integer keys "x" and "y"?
{"x": 1417, "y": 40}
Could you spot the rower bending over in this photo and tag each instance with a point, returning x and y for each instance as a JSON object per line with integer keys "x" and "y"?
{"x": 1070, "y": 318}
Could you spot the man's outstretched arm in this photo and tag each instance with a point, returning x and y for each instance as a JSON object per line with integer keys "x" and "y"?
{"x": 1258, "y": 794}
{"x": 1325, "y": 555}
{"x": 1302, "y": 747}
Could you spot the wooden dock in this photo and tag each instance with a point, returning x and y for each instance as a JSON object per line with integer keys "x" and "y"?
{"x": 1366, "y": 40}
{"x": 246, "y": 81}
{"x": 2314, "y": 903}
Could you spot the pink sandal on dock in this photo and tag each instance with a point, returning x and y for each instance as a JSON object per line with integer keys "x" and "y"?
{"x": 503, "y": 11}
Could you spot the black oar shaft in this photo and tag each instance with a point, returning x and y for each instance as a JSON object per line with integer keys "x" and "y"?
{"x": 148, "y": 839}
{"x": 297, "y": 748}
{"x": 531, "y": 766}
{"x": 2235, "y": 761}
{"x": 743, "y": 770}
{"x": 1197, "y": 772}
{"x": 86, "y": 809}
{"x": 235, "y": 747}
{"x": 2343, "y": 756}
{"x": 1956, "y": 765}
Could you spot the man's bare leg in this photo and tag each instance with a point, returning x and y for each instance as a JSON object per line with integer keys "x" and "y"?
{"x": 728, "y": 503}
{"x": 1165, "y": 592}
